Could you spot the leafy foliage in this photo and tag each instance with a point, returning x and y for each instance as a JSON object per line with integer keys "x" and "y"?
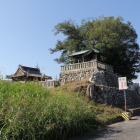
{"x": 115, "y": 39}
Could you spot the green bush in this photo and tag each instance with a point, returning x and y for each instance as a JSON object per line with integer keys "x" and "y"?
{"x": 31, "y": 112}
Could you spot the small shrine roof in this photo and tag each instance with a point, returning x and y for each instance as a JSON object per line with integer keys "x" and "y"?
{"x": 78, "y": 53}
{"x": 84, "y": 52}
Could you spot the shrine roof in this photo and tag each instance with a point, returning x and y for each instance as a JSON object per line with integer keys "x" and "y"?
{"x": 78, "y": 53}
{"x": 84, "y": 52}
{"x": 30, "y": 70}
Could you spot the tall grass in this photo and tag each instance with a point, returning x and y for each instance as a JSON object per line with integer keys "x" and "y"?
{"x": 30, "y": 112}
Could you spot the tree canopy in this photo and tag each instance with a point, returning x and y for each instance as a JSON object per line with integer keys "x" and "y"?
{"x": 114, "y": 38}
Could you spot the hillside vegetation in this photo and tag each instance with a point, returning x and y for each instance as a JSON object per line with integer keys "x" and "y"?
{"x": 31, "y": 112}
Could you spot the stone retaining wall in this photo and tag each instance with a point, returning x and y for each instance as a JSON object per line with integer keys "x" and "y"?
{"x": 77, "y": 75}
{"x": 110, "y": 95}
{"x": 115, "y": 97}
{"x": 103, "y": 87}
{"x": 95, "y": 76}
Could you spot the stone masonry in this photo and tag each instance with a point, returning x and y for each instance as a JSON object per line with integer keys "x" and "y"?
{"x": 106, "y": 90}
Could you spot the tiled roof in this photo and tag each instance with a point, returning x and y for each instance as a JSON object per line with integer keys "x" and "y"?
{"x": 30, "y": 70}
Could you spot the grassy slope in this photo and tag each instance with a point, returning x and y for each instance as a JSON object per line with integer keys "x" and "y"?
{"x": 103, "y": 112}
{"x": 28, "y": 111}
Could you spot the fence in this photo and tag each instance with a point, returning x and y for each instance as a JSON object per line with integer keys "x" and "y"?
{"x": 48, "y": 84}
{"x": 85, "y": 65}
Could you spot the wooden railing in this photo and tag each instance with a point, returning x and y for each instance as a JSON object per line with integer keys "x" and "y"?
{"x": 85, "y": 65}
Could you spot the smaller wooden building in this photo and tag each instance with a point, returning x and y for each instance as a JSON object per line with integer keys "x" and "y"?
{"x": 24, "y": 73}
{"x": 85, "y": 55}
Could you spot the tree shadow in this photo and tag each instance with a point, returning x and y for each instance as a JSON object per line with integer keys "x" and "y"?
{"x": 104, "y": 132}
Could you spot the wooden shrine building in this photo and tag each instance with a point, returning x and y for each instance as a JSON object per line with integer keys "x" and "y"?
{"x": 84, "y": 62}
{"x": 24, "y": 73}
{"x": 85, "y": 55}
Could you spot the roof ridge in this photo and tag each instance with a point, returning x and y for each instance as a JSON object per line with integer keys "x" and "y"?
{"x": 29, "y": 67}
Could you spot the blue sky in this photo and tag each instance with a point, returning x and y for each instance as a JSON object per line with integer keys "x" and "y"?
{"x": 26, "y": 28}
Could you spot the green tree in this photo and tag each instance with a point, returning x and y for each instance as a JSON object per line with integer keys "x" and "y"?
{"x": 115, "y": 39}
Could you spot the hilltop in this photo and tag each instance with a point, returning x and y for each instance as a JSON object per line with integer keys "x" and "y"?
{"x": 29, "y": 111}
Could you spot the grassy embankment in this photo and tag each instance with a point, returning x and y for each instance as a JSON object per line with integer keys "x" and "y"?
{"x": 30, "y": 112}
